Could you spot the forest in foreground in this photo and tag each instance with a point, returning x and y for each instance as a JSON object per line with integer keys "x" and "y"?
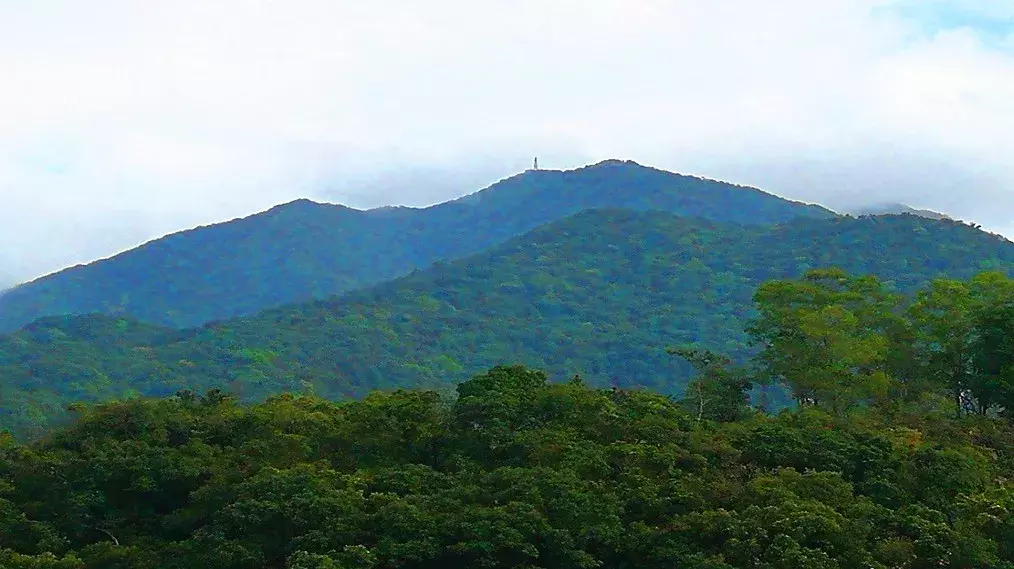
{"x": 896, "y": 456}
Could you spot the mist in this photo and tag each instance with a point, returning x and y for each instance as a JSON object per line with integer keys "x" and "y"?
{"x": 123, "y": 121}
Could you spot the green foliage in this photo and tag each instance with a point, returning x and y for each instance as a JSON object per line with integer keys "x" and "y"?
{"x": 992, "y": 350}
{"x": 842, "y": 342}
{"x": 599, "y": 294}
{"x": 13, "y": 560}
{"x": 717, "y": 392}
{"x": 827, "y": 336}
{"x": 518, "y": 471}
{"x": 960, "y": 328}
{"x": 515, "y": 472}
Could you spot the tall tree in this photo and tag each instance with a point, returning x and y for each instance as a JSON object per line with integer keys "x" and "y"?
{"x": 942, "y": 320}
{"x": 992, "y": 350}
{"x": 947, "y": 318}
{"x": 827, "y": 336}
{"x": 718, "y": 392}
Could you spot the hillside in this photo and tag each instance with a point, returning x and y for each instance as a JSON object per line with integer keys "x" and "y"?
{"x": 899, "y": 209}
{"x": 601, "y": 293}
{"x": 305, "y": 250}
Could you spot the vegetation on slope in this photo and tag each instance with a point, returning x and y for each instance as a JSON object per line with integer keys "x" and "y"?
{"x": 303, "y": 250}
{"x": 518, "y": 472}
{"x": 599, "y": 294}
{"x": 898, "y": 209}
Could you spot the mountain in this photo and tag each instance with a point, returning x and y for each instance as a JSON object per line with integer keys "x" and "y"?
{"x": 600, "y": 293}
{"x": 305, "y": 250}
{"x": 898, "y": 209}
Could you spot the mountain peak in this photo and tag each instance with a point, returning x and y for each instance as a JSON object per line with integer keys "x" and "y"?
{"x": 898, "y": 209}
{"x": 304, "y": 249}
{"x": 613, "y": 163}
{"x": 301, "y": 204}
{"x": 607, "y": 164}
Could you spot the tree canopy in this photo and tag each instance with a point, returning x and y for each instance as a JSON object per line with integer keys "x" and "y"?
{"x": 879, "y": 466}
{"x": 595, "y": 294}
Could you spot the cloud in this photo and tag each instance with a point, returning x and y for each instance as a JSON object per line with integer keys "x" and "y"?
{"x": 992, "y": 19}
{"x": 121, "y": 121}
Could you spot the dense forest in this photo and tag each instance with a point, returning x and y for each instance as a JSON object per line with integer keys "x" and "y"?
{"x": 614, "y": 367}
{"x": 896, "y": 456}
{"x": 304, "y": 250}
{"x": 599, "y": 294}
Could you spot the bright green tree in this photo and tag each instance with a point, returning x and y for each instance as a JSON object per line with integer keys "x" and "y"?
{"x": 827, "y": 336}
{"x": 958, "y": 327}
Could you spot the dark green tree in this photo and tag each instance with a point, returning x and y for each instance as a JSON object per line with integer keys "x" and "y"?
{"x": 992, "y": 350}
{"x": 718, "y": 392}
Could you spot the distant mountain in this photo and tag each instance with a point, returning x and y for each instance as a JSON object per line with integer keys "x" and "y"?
{"x": 305, "y": 250}
{"x": 600, "y": 293}
{"x": 898, "y": 209}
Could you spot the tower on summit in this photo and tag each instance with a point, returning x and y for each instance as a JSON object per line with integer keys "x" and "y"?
{"x": 535, "y": 166}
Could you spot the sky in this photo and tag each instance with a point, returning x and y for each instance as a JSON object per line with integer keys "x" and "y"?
{"x": 121, "y": 121}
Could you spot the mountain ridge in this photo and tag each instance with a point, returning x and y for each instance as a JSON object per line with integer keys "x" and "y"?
{"x": 897, "y": 209}
{"x": 304, "y": 249}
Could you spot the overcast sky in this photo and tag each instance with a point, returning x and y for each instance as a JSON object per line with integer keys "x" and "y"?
{"x": 121, "y": 121}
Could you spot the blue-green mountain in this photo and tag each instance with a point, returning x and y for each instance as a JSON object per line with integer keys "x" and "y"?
{"x": 601, "y": 293}
{"x": 304, "y": 250}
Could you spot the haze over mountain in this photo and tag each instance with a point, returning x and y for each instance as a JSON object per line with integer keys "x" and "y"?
{"x": 600, "y": 293}
{"x": 305, "y": 250}
{"x": 898, "y": 209}
{"x": 180, "y": 124}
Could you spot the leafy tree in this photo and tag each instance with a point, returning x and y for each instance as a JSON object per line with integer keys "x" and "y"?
{"x": 518, "y": 472}
{"x": 826, "y": 336}
{"x": 13, "y": 560}
{"x": 718, "y": 392}
{"x": 942, "y": 317}
{"x": 525, "y": 472}
{"x": 992, "y": 351}
{"x": 955, "y": 322}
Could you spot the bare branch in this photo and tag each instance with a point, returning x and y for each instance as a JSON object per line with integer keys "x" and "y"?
{"x": 111, "y": 536}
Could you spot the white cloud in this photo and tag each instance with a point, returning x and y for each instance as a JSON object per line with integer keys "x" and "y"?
{"x": 120, "y": 121}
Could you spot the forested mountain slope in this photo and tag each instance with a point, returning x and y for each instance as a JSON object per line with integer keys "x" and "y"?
{"x": 305, "y": 250}
{"x": 601, "y": 294}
